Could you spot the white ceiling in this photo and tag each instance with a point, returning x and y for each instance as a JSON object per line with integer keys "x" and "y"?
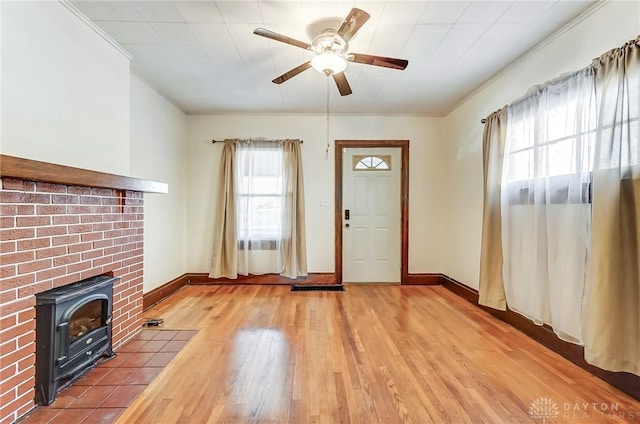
{"x": 204, "y": 57}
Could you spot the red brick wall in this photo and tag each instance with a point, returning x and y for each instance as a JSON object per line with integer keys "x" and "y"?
{"x": 52, "y": 235}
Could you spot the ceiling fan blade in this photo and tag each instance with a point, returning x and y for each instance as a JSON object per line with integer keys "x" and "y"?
{"x": 292, "y": 73}
{"x": 352, "y": 23}
{"x": 342, "y": 83}
{"x": 386, "y": 62}
{"x": 282, "y": 38}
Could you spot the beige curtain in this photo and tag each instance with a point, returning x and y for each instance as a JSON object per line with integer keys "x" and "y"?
{"x": 493, "y": 144}
{"x": 612, "y": 303}
{"x": 288, "y": 255}
{"x": 225, "y": 242}
{"x": 294, "y": 237}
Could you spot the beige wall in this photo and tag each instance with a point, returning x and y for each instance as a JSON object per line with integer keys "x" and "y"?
{"x": 68, "y": 98}
{"x": 425, "y": 192}
{"x": 65, "y": 90}
{"x": 158, "y": 152}
{"x": 608, "y": 27}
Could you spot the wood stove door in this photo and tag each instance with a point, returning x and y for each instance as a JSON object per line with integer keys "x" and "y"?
{"x": 87, "y": 333}
{"x": 85, "y": 323}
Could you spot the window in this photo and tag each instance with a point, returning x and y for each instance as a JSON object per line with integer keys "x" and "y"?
{"x": 259, "y": 193}
{"x": 564, "y": 147}
{"x": 372, "y": 163}
{"x": 259, "y": 223}
{"x": 550, "y": 144}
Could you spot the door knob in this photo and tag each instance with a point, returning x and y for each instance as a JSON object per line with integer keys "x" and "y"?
{"x": 346, "y": 225}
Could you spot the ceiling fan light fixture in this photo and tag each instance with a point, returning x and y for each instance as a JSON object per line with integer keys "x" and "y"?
{"x": 332, "y": 51}
{"x": 329, "y": 63}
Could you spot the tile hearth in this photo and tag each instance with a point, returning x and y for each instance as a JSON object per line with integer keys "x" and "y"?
{"x": 103, "y": 393}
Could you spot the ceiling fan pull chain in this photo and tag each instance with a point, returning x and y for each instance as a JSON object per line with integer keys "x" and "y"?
{"x": 326, "y": 152}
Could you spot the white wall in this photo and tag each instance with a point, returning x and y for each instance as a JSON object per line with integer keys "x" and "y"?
{"x": 65, "y": 91}
{"x": 158, "y": 153}
{"x": 605, "y": 28}
{"x": 425, "y": 180}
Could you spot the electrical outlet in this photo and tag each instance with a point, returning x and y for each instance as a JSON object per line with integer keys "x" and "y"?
{"x": 324, "y": 203}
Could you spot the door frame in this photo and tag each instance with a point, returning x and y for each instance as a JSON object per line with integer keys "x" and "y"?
{"x": 404, "y": 200}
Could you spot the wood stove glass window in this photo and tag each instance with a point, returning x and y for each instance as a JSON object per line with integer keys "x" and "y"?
{"x": 86, "y": 318}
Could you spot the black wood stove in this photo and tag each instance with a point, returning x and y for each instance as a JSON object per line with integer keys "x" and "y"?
{"x": 73, "y": 330}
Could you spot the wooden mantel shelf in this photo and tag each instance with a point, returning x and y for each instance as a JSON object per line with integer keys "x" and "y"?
{"x": 33, "y": 170}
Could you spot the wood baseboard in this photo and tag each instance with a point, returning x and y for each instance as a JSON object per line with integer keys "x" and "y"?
{"x": 312, "y": 278}
{"x": 628, "y": 383}
{"x": 160, "y": 293}
{"x": 462, "y": 290}
{"x": 423, "y": 279}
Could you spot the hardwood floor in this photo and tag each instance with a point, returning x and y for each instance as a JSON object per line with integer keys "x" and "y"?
{"x": 372, "y": 354}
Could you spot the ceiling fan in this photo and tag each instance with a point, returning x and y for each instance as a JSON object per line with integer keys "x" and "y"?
{"x": 331, "y": 48}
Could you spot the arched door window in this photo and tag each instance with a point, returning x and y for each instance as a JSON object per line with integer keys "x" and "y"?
{"x": 371, "y": 162}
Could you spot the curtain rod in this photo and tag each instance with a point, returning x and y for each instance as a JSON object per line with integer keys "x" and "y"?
{"x": 283, "y": 139}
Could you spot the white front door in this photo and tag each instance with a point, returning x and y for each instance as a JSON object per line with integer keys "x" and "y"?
{"x": 371, "y": 243}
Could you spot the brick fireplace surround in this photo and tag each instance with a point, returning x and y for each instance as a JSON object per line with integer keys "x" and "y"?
{"x": 52, "y": 235}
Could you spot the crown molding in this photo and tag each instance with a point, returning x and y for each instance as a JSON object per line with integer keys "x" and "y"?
{"x": 95, "y": 28}
{"x": 541, "y": 45}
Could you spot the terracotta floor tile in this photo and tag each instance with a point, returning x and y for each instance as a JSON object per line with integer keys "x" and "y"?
{"x": 174, "y": 346}
{"x": 118, "y": 376}
{"x": 138, "y": 359}
{"x": 132, "y": 346}
{"x": 123, "y": 397}
{"x": 92, "y": 377}
{"x": 104, "y": 416}
{"x": 68, "y": 416}
{"x": 146, "y": 335}
{"x": 166, "y": 335}
{"x": 144, "y": 375}
{"x": 161, "y": 359}
{"x": 41, "y": 415}
{"x": 93, "y": 397}
{"x": 67, "y": 396}
{"x": 185, "y": 334}
{"x": 114, "y": 362}
{"x": 101, "y": 395}
{"x": 153, "y": 346}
